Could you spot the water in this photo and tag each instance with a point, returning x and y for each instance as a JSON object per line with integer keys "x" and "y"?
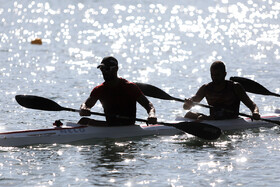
{"x": 168, "y": 44}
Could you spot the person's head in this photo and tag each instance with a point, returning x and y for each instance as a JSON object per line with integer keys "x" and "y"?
{"x": 218, "y": 71}
{"x": 109, "y": 68}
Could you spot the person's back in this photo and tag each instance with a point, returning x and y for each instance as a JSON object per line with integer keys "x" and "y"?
{"x": 223, "y": 100}
{"x": 224, "y": 95}
{"x": 119, "y": 100}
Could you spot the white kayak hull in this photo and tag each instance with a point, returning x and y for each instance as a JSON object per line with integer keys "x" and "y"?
{"x": 75, "y": 133}
{"x": 240, "y": 123}
{"x": 72, "y": 132}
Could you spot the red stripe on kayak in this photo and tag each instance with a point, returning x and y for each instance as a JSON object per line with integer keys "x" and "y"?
{"x": 150, "y": 126}
{"x": 42, "y": 130}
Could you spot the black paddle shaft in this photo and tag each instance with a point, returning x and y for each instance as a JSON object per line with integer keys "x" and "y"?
{"x": 201, "y": 130}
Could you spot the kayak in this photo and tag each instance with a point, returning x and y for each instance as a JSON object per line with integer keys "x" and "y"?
{"x": 239, "y": 123}
{"x": 74, "y": 133}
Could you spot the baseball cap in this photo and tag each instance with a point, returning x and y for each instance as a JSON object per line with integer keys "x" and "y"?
{"x": 108, "y": 61}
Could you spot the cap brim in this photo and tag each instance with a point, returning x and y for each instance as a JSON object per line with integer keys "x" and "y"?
{"x": 101, "y": 65}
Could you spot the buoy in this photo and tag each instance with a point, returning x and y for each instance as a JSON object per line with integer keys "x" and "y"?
{"x": 37, "y": 41}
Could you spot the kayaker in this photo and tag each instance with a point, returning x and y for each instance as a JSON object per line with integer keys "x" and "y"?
{"x": 224, "y": 95}
{"x": 118, "y": 98}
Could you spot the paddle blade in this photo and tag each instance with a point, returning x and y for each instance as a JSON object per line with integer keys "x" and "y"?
{"x": 201, "y": 130}
{"x": 252, "y": 86}
{"x": 152, "y": 91}
{"x": 39, "y": 103}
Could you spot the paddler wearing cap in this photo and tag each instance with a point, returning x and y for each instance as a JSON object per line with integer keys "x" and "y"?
{"x": 118, "y": 98}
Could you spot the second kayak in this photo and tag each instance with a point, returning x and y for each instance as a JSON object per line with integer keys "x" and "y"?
{"x": 239, "y": 123}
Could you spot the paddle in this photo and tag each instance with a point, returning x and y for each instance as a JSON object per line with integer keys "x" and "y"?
{"x": 252, "y": 86}
{"x": 201, "y": 130}
{"x": 152, "y": 91}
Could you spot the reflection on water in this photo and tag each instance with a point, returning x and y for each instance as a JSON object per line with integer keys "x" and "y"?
{"x": 167, "y": 44}
{"x": 113, "y": 161}
{"x": 149, "y": 161}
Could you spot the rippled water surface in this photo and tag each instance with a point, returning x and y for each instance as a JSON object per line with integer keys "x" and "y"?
{"x": 169, "y": 44}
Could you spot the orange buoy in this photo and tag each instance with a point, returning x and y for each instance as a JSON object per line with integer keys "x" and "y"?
{"x": 37, "y": 41}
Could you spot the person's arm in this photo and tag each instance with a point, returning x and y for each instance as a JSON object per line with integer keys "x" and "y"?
{"x": 143, "y": 101}
{"x": 200, "y": 94}
{"x": 239, "y": 90}
{"x": 87, "y": 105}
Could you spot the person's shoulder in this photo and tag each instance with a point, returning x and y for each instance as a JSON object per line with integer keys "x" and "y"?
{"x": 97, "y": 90}
{"x": 132, "y": 87}
{"x": 236, "y": 86}
{"x": 207, "y": 85}
{"x": 126, "y": 82}
{"x": 99, "y": 87}
{"x": 204, "y": 88}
